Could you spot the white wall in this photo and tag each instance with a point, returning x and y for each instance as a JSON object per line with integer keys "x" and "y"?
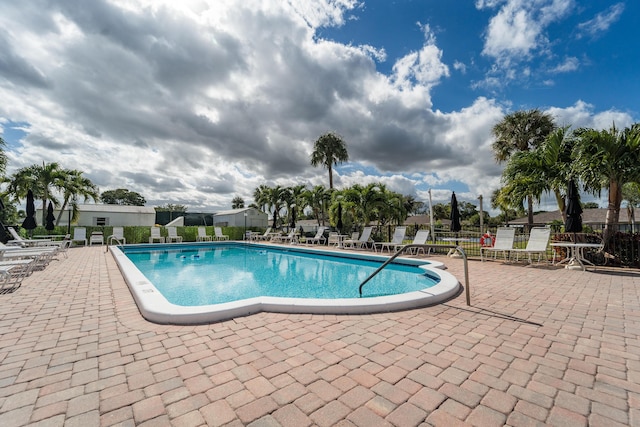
{"x": 254, "y": 219}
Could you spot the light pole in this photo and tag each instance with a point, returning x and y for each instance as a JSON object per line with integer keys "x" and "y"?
{"x": 481, "y": 216}
{"x": 245, "y": 226}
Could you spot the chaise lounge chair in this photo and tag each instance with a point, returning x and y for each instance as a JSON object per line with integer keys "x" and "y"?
{"x": 537, "y": 244}
{"x": 12, "y": 273}
{"x": 218, "y": 234}
{"x": 265, "y": 236}
{"x": 420, "y": 238}
{"x": 172, "y": 235}
{"x": 359, "y": 242}
{"x": 80, "y": 235}
{"x": 285, "y": 238}
{"x": 118, "y": 236}
{"x": 155, "y": 235}
{"x": 20, "y": 241}
{"x": 202, "y": 235}
{"x": 504, "y": 243}
{"x": 318, "y": 238}
{"x": 397, "y": 239}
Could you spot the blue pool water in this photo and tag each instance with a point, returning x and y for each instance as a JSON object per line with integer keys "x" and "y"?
{"x": 194, "y": 276}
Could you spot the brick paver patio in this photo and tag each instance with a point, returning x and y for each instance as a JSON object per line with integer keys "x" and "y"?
{"x": 539, "y": 346}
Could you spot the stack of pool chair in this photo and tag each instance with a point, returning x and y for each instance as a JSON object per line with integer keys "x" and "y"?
{"x": 12, "y": 272}
{"x": 18, "y": 262}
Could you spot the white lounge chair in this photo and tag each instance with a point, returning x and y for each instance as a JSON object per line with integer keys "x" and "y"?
{"x": 20, "y": 241}
{"x": 96, "y": 238}
{"x": 504, "y": 243}
{"x": 360, "y": 242}
{"x": 41, "y": 256}
{"x": 285, "y": 238}
{"x": 218, "y": 234}
{"x": 318, "y": 238}
{"x": 80, "y": 235}
{"x": 397, "y": 239}
{"x": 265, "y": 236}
{"x": 420, "y": 238}
{"x": 172, "y": 235}
{"x": 347, "y": 243}
{"x": 202, "y": 235}
{"x": 117, "y": 236}
{"x": 334, "y": 239}
{"x": 12, "y": 273}
{"x": 537, "y": 244}
{"x": 155, "y": 235}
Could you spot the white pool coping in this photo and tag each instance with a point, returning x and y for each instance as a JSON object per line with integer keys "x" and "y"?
{"x": 156, "y": 308}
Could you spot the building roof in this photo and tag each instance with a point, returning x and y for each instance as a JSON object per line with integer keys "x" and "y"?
{"x": 237, "y": 211}
{"x": 589, "y": 216}
{"x": 98, "y": 207}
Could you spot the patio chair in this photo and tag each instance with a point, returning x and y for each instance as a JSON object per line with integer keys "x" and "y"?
{"x": 503, "y": 243}
{"x": 80, "y": 235}
{"x": 20, "y": 241}
{"x": 334, "y": 239}
{"x": 172, "y": 235}
{"x": 537, "y": 244}
{"x": 347, "y": 243}
{"x": 265, "y": 236}
{"x": 284, "y": 238}
{"x": 318, "y": 238}
{"x": 155, "y": 235}
{"x": 96, "y": 237}
{"x": 41, "y": 256}
{"x": 202, "y": 235}
{"x": 12, "y": 273}
{"x": 359, "y": 242}
{"x": 117, "y": 235}
{"x": 397, "y": 239}
{"x": 420, "y": 238}
{"x": 218, "y": 234}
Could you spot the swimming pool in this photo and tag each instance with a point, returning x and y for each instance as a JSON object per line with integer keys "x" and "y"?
{"x": 206, "y": 282}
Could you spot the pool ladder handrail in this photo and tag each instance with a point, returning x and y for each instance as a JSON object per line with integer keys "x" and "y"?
{"x": 110, "y": 242}
{"x": 426, "y": 246}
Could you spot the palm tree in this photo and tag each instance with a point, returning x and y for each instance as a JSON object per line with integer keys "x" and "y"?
{"x": 521, "y": 131}
{"x": 277, "y": 196}
{"x": 237, "y": 203}
{"x": 545, "y": 168}
{"x": 608, "y": 158}
{"x": 296, "y": 199}
{"x": 39, "y": 179}
{"x": 557, "y": 163}
{"x": 329, "y": 150}
{"x": 3, "y": 156}
{"x": 523, "y": 179}
{"x": 73, "y": 186}
{"x": 367, "y": 202}
{"x": 261, "y": 197}
{"x": 317, "y": 199}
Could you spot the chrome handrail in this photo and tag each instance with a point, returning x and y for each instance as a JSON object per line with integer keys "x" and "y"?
{"x": 424, "y": 246}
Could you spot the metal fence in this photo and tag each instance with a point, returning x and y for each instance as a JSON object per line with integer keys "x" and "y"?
{"x": 622, "y": 249}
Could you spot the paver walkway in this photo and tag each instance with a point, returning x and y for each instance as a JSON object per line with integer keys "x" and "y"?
{"x": 538, "y": 346}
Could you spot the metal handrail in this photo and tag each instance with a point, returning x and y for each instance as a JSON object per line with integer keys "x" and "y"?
{"x": 424, "y": 246}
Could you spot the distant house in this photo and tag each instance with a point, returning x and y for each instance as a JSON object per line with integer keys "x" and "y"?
{"x": 594, "y": 218}
{"x": 424, "y": 221}
{"x": 249, "y": 217}
{"x": 92, "y": 215}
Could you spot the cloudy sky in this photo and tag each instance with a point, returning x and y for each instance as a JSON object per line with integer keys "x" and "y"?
{"x": 194, "y": 102}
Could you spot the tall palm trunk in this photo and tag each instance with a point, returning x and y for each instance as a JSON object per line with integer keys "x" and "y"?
{"x": 530, "y": 212}
{"x": 613, "y": 210}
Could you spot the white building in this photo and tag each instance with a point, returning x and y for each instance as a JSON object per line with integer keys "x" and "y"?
{"x": 91, "y": 215}
{"x": 245, "y": 217}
